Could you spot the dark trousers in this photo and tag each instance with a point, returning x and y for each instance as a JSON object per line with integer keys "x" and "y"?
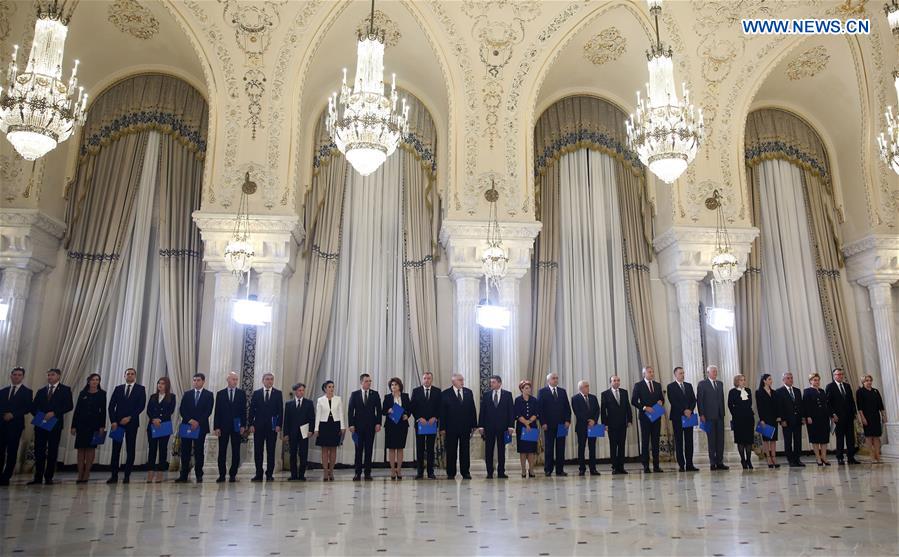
{"x": 160, "y": 447}
{"x": 458, "y": 443}
{"x": 9, "y": 449}
{"x": 617, "y": 438}
{"x": 845, "y": 432}
{"x": 649, "y": 435}
{"x": 364, "y": 447}
{"x": 232, "y": 438}
{"x": 130, "y": 445}
{"x": 715, "y": 432}
{"x": 584, "y": 445}
{"x": 46, "y": 452}
{"x": 424, "y": 447}
{"x": 299, "y": 447}
{"x": 495, "y": 440}
{"x": 792, "y": 442}
{"x": 683, "y": 443}
{"x": 195, "y": 447}
{"x": 264, "y": 440}
{"x": 554, "y": 451}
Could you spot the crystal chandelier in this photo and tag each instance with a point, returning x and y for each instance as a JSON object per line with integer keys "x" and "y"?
{"x": 495, "y": 258}
{"x": 38, "y": 109}
{"x": 889, "y": 143}
{"x": 664, "y": 131}
{"x": 724, "y": 267}
{"x": 239, "y": 251}
{"x": 892, "y": 11}
{"x": 364, "y": 122}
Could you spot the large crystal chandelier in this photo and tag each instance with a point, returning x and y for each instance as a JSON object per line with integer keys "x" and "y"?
{"x": 724, "y": 267}
{"x": 665, "y": 131}
{"x": 889, "y": 143}
{"x": 363, "y": 121}
{"x": 239, "y": 251}
{"x": 38, "y": 109}
{"x": 495, "y": 257}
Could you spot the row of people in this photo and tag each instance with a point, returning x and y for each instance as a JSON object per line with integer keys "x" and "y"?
{"x": 451, "y": 413}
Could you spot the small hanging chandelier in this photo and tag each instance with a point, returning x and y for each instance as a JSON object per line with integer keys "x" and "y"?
{"x": 889, "y": 143}
{"x": 38, "y": 109}
{"x": 239, "y": 251}
{"x": 724, "y": 267}
{"x": 664, "y": 131}
{"x": 364, "y": 122}
{"x": 892, "y": 11}
{"x": 495, "y": 258}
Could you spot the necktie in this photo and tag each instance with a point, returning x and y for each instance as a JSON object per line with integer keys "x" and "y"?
{"x": 587, "y": 402}
{"x": 617, "y": 400}
{"x": 713, "y": 384}
{"x": 196, "y": 397}
{"x": 459, "y": 395}
{"x": 266, "y": 395}
{"x": 12, "y": 392}
{"x": 231, "y": 395}
{"x": 682, "y": 388}
{"x": 50, "y": 394}
{"x": 495, "y": 398}
{"x": 555, "y": 394}
{"x": 127, "y": 392}
{"x": 841, "y": 389}
{"x": 790, "y": 390}
{"x": 427, "y": 394}
{"x": 365, "y": 398}
{"x": 650, "y": 385}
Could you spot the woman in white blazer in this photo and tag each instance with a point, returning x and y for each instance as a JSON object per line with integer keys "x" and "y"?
{"x": 329, "y": 428}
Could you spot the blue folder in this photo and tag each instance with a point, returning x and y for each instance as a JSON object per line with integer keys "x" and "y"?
{"x": 117, "y": 434}
{"x": 507, "y": 438}
{"x": 237, "y": 424}
{"x": 767, "y": 431}
{"x": 40, "y": 422}
{"x": 98, "y": 438}
{"x": 164, "y": 429}
{"x": 692, "y": 421}
{"x": 657, "y": 412}
{"x": 704, "y": 426}
{"x": 397, "y": 413}
{"x": 561, "y": 431}
{"x": 530, "y": 434}
{"x": 427, "y": 429}
{"x": 185, "y": 432}
{"x": 355, "y": 438}
{"x": 276, "y": 422}
{"x": 598, "y": 430}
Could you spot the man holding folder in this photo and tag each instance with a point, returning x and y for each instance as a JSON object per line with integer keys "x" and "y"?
{"x": 229, "y": 425}
{"x": 125, "y": 407}
{"x": 682, "y": 402}
{"x": 299, "y": 420}
{"x": 495, "y": 422}
{"x": 426, "y": 410}
{"x": 710, "y": 401}
{"x": 53, "y": 401}
{"x": 586, "y": 410}
{"x": 265, "y": 425}
{"x": 615, "y": 413}
{"x": 196, "y": 407}
{"x": 555, "y": 410}
{"x": 648, "y": 393}
{"x": 15, "y": 402}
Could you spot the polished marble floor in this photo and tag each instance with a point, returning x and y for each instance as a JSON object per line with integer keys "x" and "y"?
{"x": 811, "y": 511}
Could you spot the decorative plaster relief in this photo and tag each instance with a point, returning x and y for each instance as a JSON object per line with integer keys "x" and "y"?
{"x": 606, "y": 46}
{"x": 383, "y": 23}
{"x": 808, "y": 64}
{"x": 128, "y": 16}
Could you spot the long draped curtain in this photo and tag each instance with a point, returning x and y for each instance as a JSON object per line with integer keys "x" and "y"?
{"x": 132, "y": 273}
{"x": 774, "y": 134}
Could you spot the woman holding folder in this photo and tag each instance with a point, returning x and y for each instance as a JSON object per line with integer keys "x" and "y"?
{"x": 396, "y": 432}
{"x": 739, "y": 401}
{"x": 817, "y": 418}
{"x": 160, "y": 408}
{"x": 329, "y": 428}
{"x": 526, "y": 416}
{"x": 766, "y": 402}
{"x": 88, "y": 420}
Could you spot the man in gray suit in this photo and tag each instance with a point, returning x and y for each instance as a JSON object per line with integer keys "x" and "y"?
{"x": 710, "y": 402}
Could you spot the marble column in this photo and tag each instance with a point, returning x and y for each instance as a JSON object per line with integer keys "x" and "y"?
{"x": 690, "y": 335}
{"x": 223, "y": 330}
{"x": 15, "y": 285}
{"x": 465, "y": 355}
{"x": 507, "y": 349}
{"x": 730, "y": 358}
{"x": 880, "y": 293}
{"x": 270, "y": 337}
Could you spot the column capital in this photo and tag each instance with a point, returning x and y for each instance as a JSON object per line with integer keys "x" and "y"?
{"x": 29, "y": 239}
{"x": 274, "y": 238}
{"x": 873, "y": 259}
{"x": 466, "y": 240}
{"x": 686, "y": 252}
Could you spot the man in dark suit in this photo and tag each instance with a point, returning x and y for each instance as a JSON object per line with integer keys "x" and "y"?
{"x": 458, "y": 420}
{"x": 426, "y": 410}
{"x": 615, "y": 414}
{"x": 365, "y": 421}
{"x": 710, "y": 403}
{"x": 196, "y": 407}
{"x": 647, "y": 393}
{"x": 554, "y": 410}
{"x": 229, "y": 425}
{"x": 299, "y": 422}
{"x": 496, "y": 419}
{"x": 265, "y": 425}
{"x": 15, "y": 403}
{"x": 789, "y": 404}
{"x": 843, "y": 412}
{"x": 55, "y": 401}
{"x": 125, "y": 407}
{"x": 586, "y": 409}
{"x": 682, "y": 402}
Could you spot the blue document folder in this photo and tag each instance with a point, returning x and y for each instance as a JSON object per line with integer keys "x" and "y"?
{"x": 704, "y": 426}
{"x": 507, "y": 438}
{"x": 238, "y": 423}
{"x": 657, "y": 412}
{"x": 40, "y": 422}
{"x": 598, "y": 430}
{"x": 397, "y": 413}
{"x": 427, "y": 429}
{"x": 355, "y": 438}
{"x": 165, "y": 428}
{"x": 692, "y": 421}
{"x": 98, "y": 438}
{"x": 766, "y": 431}
{"x": 276, "y": 422}
{"x": 185, "y": 432}
{"x": 117, "y": 434}
{"x": 530, "y": 434}
{"x": 561, "y": 431}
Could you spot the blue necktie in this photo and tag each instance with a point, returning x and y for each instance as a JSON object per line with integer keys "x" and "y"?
{"x": 196, "y": 397}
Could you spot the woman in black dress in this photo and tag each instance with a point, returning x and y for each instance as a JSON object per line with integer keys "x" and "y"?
{"x": 395, "y": 434}
{"x": 89, "y": 418}
{"x": 871, "y": 414}
{"x": 328, "y": 428}
{"x": 160, "y": 408}
{"x": 739, "y": 400}
{"x": 817, "y": 418}
{"x": 525, "y": 410}
{"x": 766, "y": 402}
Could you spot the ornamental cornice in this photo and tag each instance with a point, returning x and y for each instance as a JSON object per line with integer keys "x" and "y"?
{"x": 29, "y": 239}
{"x": 465, "y": 242}
{"x": 686, "y": 252}
{"x": 873, "y": 259}
{"x": 274, "y": 239}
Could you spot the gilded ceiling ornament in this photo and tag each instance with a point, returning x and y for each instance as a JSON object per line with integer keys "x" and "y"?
{"x": 253, "y": 23}
{"x": 130, "y": 17}
{"x": 383, "y": 23}
{"x": 852, "y": 7}
{"x": 607, "y": 46}
{"x": 808, "y": 64}
{"x": 495, "y": 33}
{"x": 717, "y": 55}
